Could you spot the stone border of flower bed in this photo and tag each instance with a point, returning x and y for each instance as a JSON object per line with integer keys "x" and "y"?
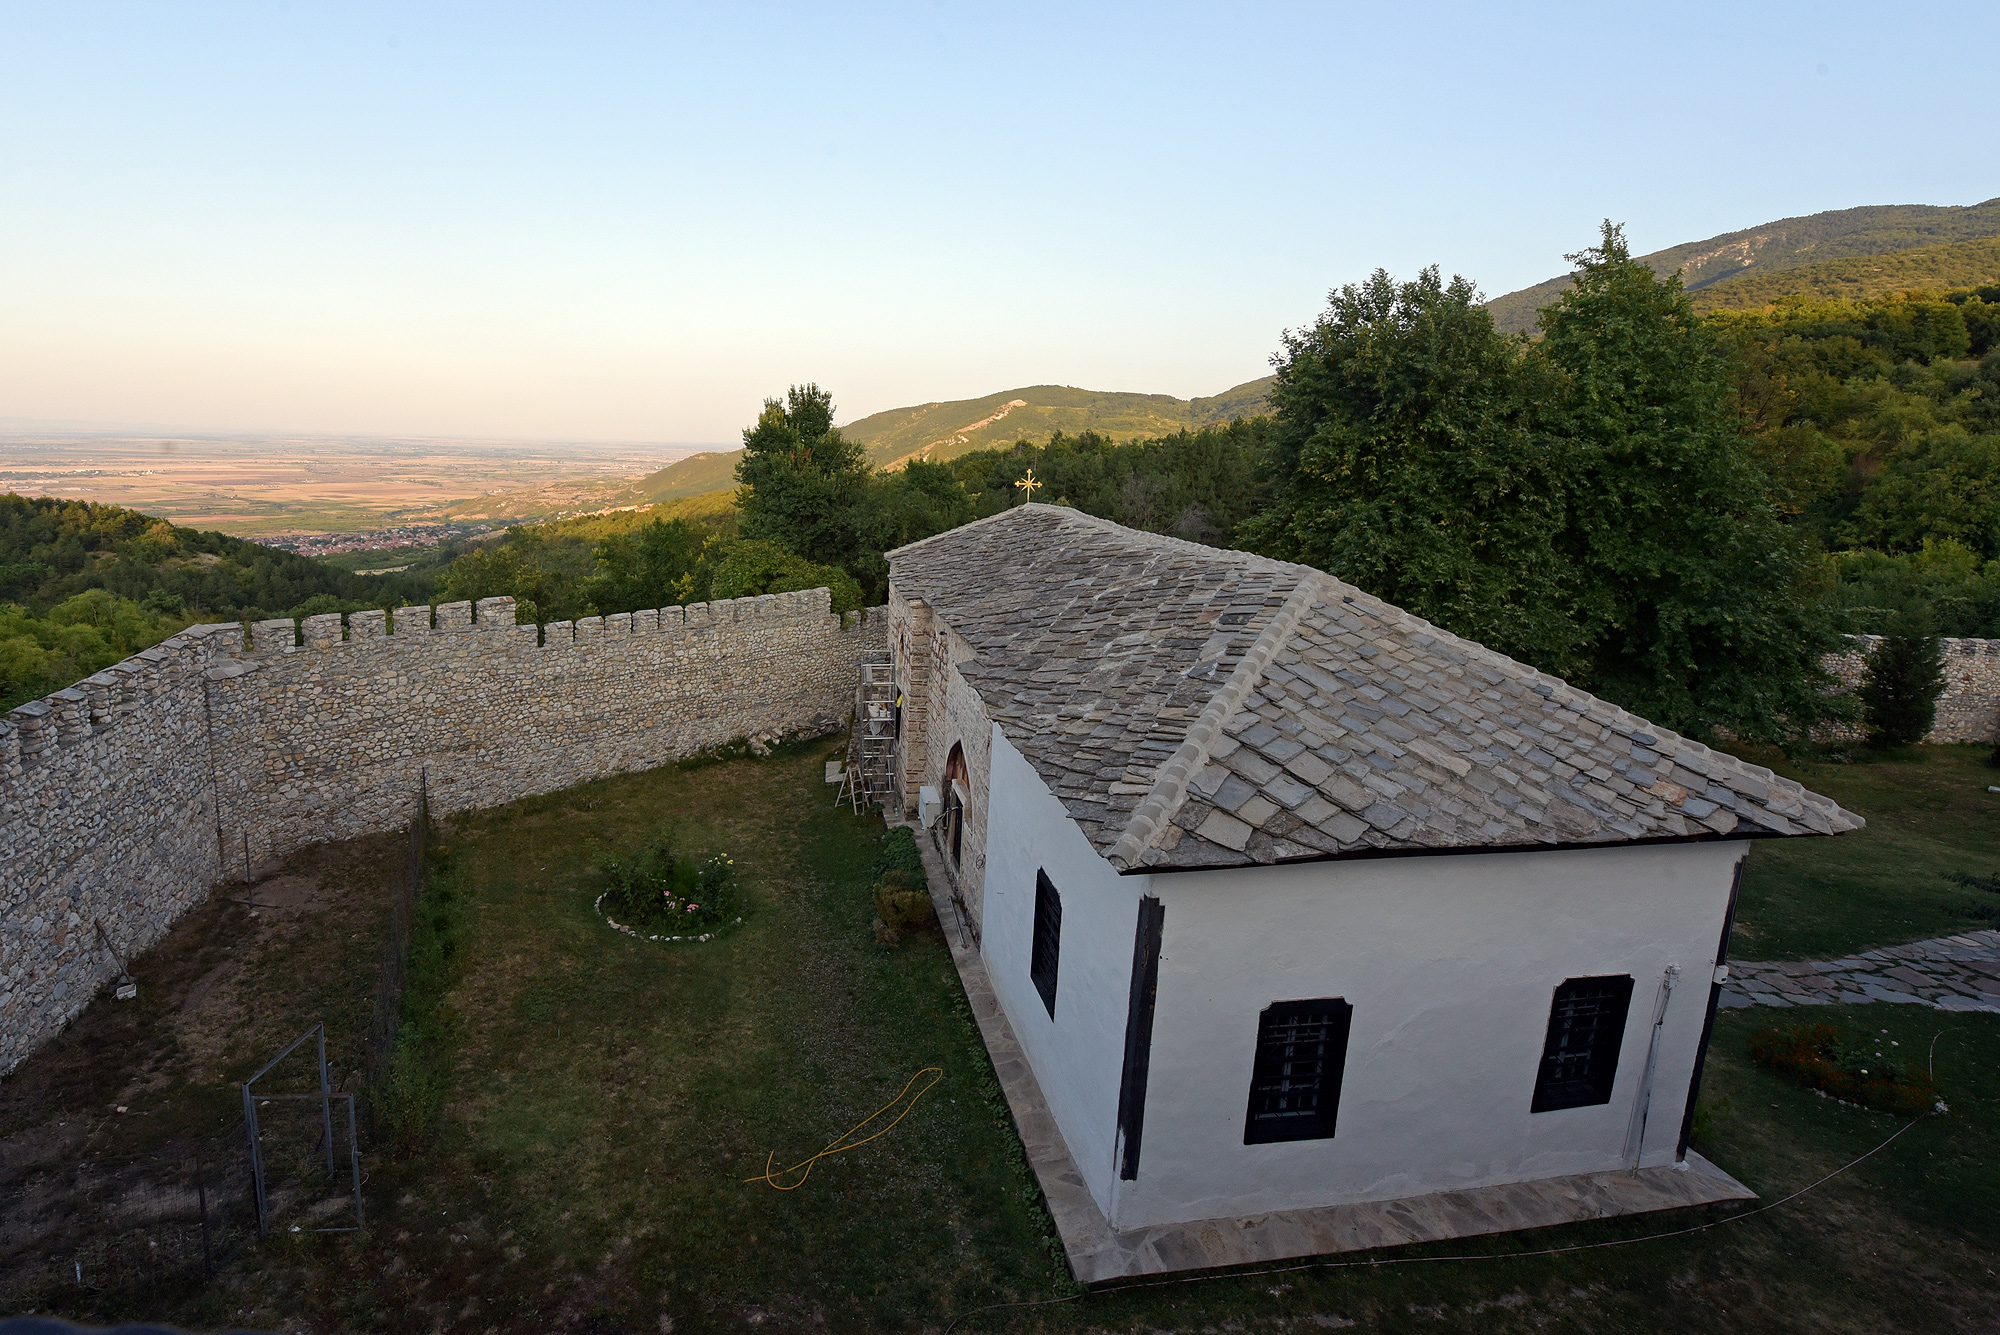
{"x": 637, "y": 935}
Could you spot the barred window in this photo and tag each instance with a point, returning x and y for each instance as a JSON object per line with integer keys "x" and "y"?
{"x": 1048, "y": 940}
{"x": 1580, "y": 1054}
{"x": 1295, "y": 1083}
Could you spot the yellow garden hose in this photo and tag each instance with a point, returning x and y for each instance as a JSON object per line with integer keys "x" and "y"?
{"x": 842, "y": 1142}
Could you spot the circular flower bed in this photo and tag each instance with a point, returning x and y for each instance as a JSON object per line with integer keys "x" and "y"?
{"x": 662, "y": 893}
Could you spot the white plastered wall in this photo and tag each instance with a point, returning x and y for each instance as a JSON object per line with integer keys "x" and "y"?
{"x": 1451, "y": 964}
{"x": 1078, "y": 1055}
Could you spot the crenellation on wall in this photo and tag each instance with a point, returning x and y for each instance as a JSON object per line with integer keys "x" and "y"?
{"x": 494, "y": 612}
{"x": 274, "y": 636}
{"x": 322, "y": 631}
{"x": 124, "y": 798}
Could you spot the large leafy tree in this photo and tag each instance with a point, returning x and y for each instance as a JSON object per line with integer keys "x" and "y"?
{"x": 1587, "y": 503}
{"x": 1412, "y": 466}
{"x": 800, "y": 482}
{"x": 1699, "y": 606}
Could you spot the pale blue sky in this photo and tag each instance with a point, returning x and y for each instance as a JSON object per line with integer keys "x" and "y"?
{"x": 632, "y": 222}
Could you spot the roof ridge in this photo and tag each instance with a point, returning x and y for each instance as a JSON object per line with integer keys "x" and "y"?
{"x": 969, "y": 524}
{"x": 1138, "y": 536}
{"x": 1170, "y": 784}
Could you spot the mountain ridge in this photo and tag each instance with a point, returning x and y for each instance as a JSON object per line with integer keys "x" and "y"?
{"x": 1782, "y": 245}
{"x": 945, "y": 429}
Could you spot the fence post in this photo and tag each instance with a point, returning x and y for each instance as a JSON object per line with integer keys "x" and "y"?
{"x": 354, "y": 1160}
{"x": 201, "y": 1199}
{"x": 256, "y": 1160}
{"x": 325, "y": 1102}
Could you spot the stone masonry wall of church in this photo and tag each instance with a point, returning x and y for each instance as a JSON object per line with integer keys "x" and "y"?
{"x": 124, "y": 799}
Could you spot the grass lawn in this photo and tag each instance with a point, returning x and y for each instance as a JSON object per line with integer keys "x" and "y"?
{"x": 608, "y": 1096}
{"x": 1928, "y": 813}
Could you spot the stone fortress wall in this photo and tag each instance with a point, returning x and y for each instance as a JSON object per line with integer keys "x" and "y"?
{"x": 1969, "y": 708}
{"x": 126, "y": 797}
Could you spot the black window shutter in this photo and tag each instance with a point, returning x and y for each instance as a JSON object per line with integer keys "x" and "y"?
{"x": 1139, "y": 1034}
{"x": 1580, "y": 1054}
{"x": 1047, "y": 947}
{"x": 1295, "y": 1083}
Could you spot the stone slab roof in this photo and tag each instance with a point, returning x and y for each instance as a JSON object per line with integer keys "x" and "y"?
{"x": 1196, "y": 707}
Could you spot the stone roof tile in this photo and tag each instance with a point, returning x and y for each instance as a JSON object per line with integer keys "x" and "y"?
{"x": 1104, "y": 653}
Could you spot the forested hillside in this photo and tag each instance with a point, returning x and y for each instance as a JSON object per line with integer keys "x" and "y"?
{"x": 943, "y": 431}
{"x": 83, "y": 585}
{"x": 1960, "y": 265}
{"x": 1756, "y": 252}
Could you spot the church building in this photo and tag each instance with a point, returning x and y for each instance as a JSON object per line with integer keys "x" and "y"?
{"x": 1294, "y": 900}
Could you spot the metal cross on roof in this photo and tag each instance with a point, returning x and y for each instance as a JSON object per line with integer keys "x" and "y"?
{"x": 1028, "y": 485}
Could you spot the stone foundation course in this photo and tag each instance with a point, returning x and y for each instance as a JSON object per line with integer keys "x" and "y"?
{"x": 123, "y": 799}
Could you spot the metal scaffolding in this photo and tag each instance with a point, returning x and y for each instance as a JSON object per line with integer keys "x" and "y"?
{"x": 870, "y": 778}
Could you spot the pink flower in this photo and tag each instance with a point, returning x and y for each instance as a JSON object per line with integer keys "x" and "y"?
{"x": 693, "y": 907}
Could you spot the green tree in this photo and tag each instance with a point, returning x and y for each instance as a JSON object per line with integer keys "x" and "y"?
{"x": 800, "y": 482}
{"x": 1412, "y": 466}
{"x": 1905, "y": 678}
{"x": 1588, "y": 503}
{"x": 751, "y": 567}
{"x": 649, "y": 568}
{"x": 1700, "y": 608}
{"x": 1945, "y": 488}
{"x": 544, "y": 572}
{"x": 906, "y": 505}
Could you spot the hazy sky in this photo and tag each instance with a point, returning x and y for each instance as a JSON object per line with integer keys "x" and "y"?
{"x": 634, "y": 222}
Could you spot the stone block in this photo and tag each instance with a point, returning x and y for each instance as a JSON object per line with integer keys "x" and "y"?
{"x": 321, "y": 632}
{"x": 273, "y": 637}
{"x": 498, "y": 612}
{"x": 411, "y": 621}
{"x": 454, "y": 616}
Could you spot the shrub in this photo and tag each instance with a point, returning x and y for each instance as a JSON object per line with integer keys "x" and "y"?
{"x": 903, "y": 903}
{"x": 898, "y": 852}
{"x": 1905, "y": 677}
{"x": 661, "y": 886}
{"x": 1847, "y": 1066}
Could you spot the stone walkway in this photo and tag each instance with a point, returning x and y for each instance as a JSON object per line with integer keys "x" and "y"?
{"x": 1951, "y": 973}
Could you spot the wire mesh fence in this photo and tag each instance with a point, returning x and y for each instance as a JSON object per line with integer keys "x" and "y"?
{"x": 396, "y": 955}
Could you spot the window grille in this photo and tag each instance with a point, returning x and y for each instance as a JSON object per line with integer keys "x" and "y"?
{"x": 1048, "y": 940}
{"x": 1295, "y": 1083}
{"x": 1580, "y": 1054}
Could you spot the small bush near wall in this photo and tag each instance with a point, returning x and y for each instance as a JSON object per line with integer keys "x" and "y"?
{"x": 902, "y": 895}
{"x": 899, "y": 853}
{"x": 1858, "y": 1067}
{"x": 662, "y": 886}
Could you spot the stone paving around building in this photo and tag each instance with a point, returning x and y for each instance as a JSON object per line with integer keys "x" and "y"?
{"x": 1950, "y": 973}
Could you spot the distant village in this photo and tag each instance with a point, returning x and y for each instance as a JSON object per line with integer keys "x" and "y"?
{"x": 374, "y": 539}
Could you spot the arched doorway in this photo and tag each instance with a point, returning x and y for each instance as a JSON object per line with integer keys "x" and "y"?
{"x": 957, "y": 792}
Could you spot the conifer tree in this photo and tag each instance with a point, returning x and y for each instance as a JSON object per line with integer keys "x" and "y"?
{"x": 1905, "y": 678}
